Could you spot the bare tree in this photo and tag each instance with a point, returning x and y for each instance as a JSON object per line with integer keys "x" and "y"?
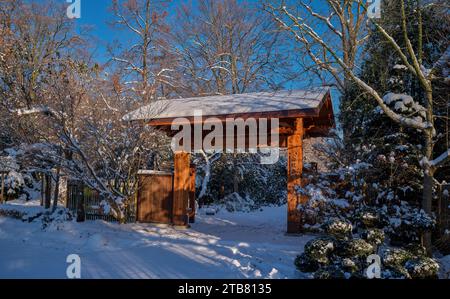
{"x": 34, "y": 36}
{"x": 229, "y": 47}
{"x": 88, "y": 139}
{"x": 341, "y": 15}
{"x": 146, "y": 64}
{"x": 61, "y": 115}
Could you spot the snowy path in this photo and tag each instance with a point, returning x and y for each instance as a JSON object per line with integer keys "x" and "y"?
{"x": 227, "y": 245}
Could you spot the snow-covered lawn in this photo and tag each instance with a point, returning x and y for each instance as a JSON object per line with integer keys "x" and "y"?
{"x": 226, "y": 245}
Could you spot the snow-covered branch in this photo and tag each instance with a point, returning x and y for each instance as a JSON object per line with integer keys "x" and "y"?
{"x": 132, "y": 65}
{"x": 327, "y": 20}
{"x": 33, "y": 110}
{"x": 437, "y": 162}
{"x": 311, "y": 33}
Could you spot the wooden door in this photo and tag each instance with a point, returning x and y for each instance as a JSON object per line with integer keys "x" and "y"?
{"x": 154, "y": 203}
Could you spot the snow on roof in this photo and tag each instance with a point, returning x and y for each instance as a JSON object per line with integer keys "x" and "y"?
{"x": 258, "y": 102}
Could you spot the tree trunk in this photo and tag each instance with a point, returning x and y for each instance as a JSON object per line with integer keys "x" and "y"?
{"x": 48, "y": 191}
{"x": 428, "y": 176}
{"x": 426, "y": 206}
{"x": 427, "y": 195}
{"x": 42, "y": 189}
{"x": 56, "y": 194}
{"x": 236, "y": 174}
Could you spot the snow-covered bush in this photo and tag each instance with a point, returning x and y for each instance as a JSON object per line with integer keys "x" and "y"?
{"x": 53, "y": 220}
{"x": 350, "y": 265}
{"x": 356, "y": 248}
{"x": 14, "y": 181}
{"x": 339, "y": 229}
{"x": 407, "y": 223}
{"x": 359, "y": 228}
{"x": 330, "y": 272}
{"x": 395, "y": 257}
{"x": 21, "y": 185}
{"x": 412, "y": 263}
{"x": 37, "y": 214}
{"x": 370, "y": 217}
{"x": 423, "y": 267}
{"x": 14, "y": 184}
{"x": 241, "y": 174}
{"x": 327, "y": 258}
{"x": 11, "y": 213}
{"x": 349, "y": 194}
{"x": 306, "y": 264}
{"x": 235, "y": 203}
{"x": 320, "y": 249}
{"x": 325, "y": 203}
{"x": 374, "y": 236}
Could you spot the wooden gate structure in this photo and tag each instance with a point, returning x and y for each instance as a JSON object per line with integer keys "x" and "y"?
{"x": 156, "y": 201}
{"x": 300, "y": 114}
{"x": 154, "y": 198}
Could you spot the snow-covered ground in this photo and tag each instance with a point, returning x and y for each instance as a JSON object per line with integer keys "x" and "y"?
{"x": 226, "y": 245}
{"x": 444, "y": 264}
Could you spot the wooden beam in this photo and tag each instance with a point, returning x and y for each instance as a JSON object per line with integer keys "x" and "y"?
{"x": 294, "y": 172}
{"x": 181, "y": 188}
{"x": 294, "y": 113}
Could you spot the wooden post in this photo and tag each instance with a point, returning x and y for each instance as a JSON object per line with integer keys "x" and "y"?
{"x": 192, "y": 174}
{"x": 181, "y": 186}
{"x": 294, "y": 172}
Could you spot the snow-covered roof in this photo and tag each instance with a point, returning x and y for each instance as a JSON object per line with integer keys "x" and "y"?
{"x": 248, "y": 103}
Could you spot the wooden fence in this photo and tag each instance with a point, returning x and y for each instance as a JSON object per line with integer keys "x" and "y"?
{"x": 80, "y": 195}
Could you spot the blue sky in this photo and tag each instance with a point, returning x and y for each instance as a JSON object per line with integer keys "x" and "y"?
{"x": 95, "y": 14}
